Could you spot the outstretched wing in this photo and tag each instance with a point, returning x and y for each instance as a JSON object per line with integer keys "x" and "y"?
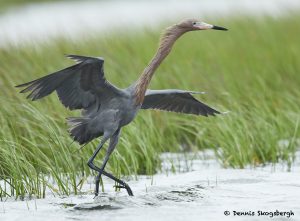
{"x": 77, "y": 87}
{"x": 176, "y": 101}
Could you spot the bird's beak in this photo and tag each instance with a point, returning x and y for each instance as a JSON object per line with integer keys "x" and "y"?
{"x": 219, "y": 28}
{"x": 205, "y": 26}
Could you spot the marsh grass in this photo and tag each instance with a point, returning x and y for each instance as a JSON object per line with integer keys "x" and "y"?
{"x": 252, "y": 71}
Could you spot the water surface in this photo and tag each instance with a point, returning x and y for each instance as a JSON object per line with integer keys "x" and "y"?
{"x": 202, "y": 193}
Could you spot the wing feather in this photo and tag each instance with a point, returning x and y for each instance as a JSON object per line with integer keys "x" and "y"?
{"x": 78, "y": 86}
{"x": 176, "y": 101}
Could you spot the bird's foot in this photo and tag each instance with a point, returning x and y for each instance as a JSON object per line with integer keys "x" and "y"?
{"x": 96, "y": 194}
{"x": 125, "y": 186}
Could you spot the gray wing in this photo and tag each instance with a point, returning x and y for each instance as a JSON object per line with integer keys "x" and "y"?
{"x": 176, "y": 101}
{"x": 77, "y": 87}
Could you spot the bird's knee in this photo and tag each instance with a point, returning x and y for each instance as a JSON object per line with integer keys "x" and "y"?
{"x": 90, "y": 164}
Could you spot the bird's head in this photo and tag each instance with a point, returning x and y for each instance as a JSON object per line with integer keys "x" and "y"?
{"x": 196, "y": 25}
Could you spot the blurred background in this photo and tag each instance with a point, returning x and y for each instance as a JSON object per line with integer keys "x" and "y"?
{"x": 31, "y": 20}
{"x": 252, "y": 71}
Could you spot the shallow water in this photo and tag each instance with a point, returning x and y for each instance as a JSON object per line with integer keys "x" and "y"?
{"x": 205, "y": 192}
{"x": 78, "y": 19}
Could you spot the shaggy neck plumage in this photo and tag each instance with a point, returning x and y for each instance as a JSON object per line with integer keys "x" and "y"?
{"x": 167, "y": 41}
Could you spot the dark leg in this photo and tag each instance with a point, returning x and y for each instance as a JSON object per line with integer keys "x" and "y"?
{"x": 90, "y": 162}
{"x": 92, "y": 166}
{"x": 121, "y": 182}
{"x": 112, "y": 144}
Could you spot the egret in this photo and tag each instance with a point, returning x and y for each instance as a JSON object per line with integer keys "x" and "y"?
{"x": 106, "y": 108}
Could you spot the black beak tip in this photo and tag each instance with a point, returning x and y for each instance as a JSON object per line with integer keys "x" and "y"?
{"x": 219, "y": 28}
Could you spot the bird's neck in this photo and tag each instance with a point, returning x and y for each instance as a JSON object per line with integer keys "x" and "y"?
{"x": 167, "y": 41}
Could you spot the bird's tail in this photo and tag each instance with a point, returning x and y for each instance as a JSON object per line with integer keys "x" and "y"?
{"x": 79, "y": 130}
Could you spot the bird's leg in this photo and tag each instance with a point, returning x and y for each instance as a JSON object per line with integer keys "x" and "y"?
{"x": 112, "y": 144}
{"x": 121, "y": 182}
{"x": 90, "y": 161}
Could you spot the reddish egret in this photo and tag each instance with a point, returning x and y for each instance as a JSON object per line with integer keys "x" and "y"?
{"x": 106, "y": 108}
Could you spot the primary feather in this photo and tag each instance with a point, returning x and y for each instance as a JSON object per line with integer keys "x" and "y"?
{"x": 176, "y": 101}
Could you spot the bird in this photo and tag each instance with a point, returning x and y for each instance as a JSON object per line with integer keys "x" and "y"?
{"x": 107, "y": 108}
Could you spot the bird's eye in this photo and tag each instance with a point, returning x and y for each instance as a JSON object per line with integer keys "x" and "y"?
{"x": 194, "y": 23}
